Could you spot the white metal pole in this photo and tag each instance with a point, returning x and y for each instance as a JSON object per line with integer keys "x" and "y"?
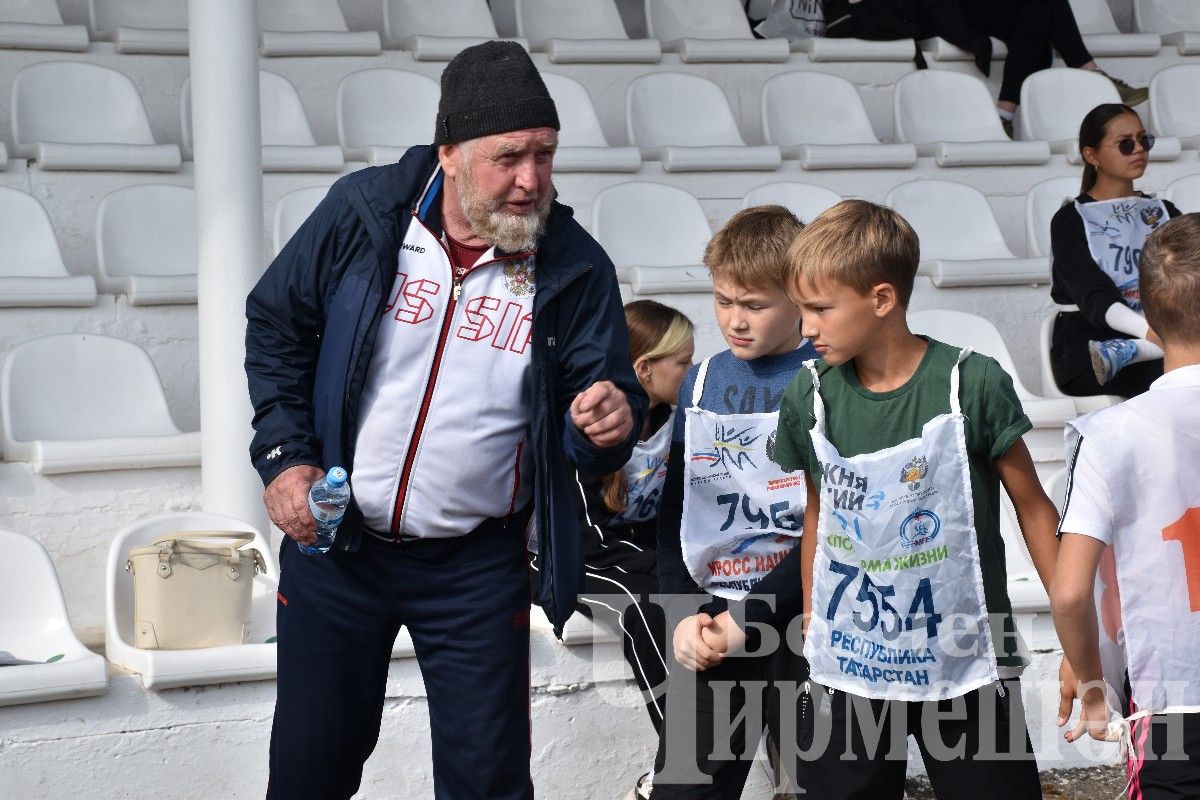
{"x": 227, "y": 145}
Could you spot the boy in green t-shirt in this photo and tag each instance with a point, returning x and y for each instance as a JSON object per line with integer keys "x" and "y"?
{"x": 904, "y": 442}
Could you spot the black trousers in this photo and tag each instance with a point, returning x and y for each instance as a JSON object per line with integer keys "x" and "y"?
{"x": 465, "y": 603}
{"x": 715, "y": 719}
{"x": 1165, "y": 762}
{"x": 1031, "y": 29}
{"x": 975, "y": 747}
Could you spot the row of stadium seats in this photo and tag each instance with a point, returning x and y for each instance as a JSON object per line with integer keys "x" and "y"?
{"x": 146, "y": 237}
{"x": 567, "y": 30}
{"x": 70, "y": 115}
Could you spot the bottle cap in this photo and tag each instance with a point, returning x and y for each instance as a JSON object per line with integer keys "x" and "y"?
{"x": 336, "y": 477}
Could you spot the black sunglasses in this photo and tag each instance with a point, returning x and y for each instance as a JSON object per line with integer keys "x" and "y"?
{"x": 1126, "y": 146}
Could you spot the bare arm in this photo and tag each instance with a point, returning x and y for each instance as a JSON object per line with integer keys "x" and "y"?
{"x": 1036, "y": 515}
{"x": 808, "y": 547}
{"x": 1071, "y": 602}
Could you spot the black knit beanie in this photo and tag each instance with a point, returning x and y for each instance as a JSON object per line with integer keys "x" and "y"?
{"x": 492, "y": 88}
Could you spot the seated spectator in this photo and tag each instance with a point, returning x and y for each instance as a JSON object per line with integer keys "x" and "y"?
{"x": 1033, "y": 30}
{"x": 1102, "y": 343}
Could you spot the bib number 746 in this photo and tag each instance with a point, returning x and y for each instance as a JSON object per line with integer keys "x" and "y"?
{"x": 873, "y": 604}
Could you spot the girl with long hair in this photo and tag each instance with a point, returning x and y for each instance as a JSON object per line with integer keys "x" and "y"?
{"x": 1102, "y": 343}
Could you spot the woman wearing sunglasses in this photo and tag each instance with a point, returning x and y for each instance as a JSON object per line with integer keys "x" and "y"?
{"x": 1102, "y": 343}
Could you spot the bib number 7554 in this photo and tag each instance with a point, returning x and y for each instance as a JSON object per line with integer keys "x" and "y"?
{"x": 874, "y": 598}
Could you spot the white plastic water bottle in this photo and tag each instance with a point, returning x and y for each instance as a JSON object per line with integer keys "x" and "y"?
{"x": 327, "y": 500}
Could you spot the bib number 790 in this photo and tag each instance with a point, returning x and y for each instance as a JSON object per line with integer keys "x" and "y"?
{"x": 875, "y": 597}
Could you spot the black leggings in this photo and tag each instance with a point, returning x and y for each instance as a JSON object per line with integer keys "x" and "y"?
{"x": 1031, "y": 29}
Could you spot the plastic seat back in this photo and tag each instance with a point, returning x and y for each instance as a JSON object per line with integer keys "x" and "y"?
{"x": 936, "y": 105}
{"x": 1166, "y": 16}
{"x": 802, "y": 199}
{"x": 34, "y": 12}
{"x": 538, "y": 20}
{"x": 281, "y": 113}
{"x": 106, "y": 15}
{"x": 100, "y": 387}
{"x": 456, "y": 18}
{"x": 147, "y": 229}
{"x": 650, "y": 225}
{"x": 814, "y": 108}
{"x": 669, "y": 20}
{"x": 27, "y": 238}
{"x": 300, "y": 15}
{"x": 576, "y": 114}
{"x": 292, "y": 210}
{"x": 1093, "y": 16}
{"x": 671, "y": 108}
{"x": 36, "y": 621}
{"x": 961, "y": 329}
{"x": 1185, "y": 193}
{"x": 77, "y": 103}
{"x": 1041, "y": 203}
{"x": 1175, "y": 100}
{"x": 953, "y": 221}
{"x": 1055, "y": 101}
{"x": 389, "y": 107}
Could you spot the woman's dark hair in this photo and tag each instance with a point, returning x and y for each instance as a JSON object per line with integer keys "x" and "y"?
{"x": 1091, "y": 133}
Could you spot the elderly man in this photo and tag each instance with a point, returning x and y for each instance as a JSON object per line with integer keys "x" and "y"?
{"x": 446, "y": 331}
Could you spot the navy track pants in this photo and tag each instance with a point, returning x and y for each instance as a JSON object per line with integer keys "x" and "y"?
{"x": 465, "y": 603}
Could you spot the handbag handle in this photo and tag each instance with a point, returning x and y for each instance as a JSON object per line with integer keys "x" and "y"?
{"x": 233, "y": 569}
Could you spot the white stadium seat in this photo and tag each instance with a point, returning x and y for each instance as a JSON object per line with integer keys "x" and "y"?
{"x": 166, "y": 669}
{"x": 820, "y": 120}
{"x": 1177, "y": 21}
{"x": 1083, "y": 405}
{"x": 802, "y": 199}
{"x": 146, "y": 244}
{"x": 582, "y": 146}
{"x": 136, "y": 26}
{"x": 1185, "y": 193}
{"x": 655, "y": 235}
{"x": 579, "y": 629}
{"x": 685, "y": 122}
{"x": 710, "y": 31}
{"x": 952, "y": 117}
{"x": 1102, "y": 37}
{"x": 287, "y": 140}
{"x": 35, "y": 630}
{"x": 961, "y": 243}
{"x": 291, "y": 211}
{"x": 3, "y": 156}
{"x": 969, "y": 330}
{"x": 101, "y": 407}
{"x": 1055, "y": 101}
{"x": 71, "y": 115}
{"x": 32, "y": 272}
{"x": 436, "y": 31}
{"x": 1042, "y": 201}
{"x": 38, "y": 25}
{"x": 310, "y": 28}
{"x": 581, "y": 31}
{"x": 1175, "y": 103}
{"x": 383, "y": 112}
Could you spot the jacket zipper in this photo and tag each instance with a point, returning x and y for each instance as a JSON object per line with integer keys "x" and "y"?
{"x": 411, "y": 456}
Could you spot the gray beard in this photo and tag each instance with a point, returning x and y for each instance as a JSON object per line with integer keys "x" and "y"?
{"x": 512, "y": 233}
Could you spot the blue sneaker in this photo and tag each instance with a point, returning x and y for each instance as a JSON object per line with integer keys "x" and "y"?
{"x": 1110, "y": 356}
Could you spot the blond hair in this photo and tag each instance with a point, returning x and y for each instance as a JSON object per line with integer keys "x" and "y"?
{"x": 1169, "y": 279}
{"x": 858, "y": 244}
{"x": 751, "y": 248}
{"x": 655, "y": 331}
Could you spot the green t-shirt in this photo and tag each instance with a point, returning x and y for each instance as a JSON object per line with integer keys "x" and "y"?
{"x": 859, "y": 421}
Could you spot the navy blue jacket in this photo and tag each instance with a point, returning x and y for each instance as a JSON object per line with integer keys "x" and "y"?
{"x": 311, "y": 326}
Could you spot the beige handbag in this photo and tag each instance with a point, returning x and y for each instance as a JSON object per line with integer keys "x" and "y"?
{"x": 189, "y": 592}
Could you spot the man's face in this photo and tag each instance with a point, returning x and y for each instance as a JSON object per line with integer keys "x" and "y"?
{"x": 503, "y": 185}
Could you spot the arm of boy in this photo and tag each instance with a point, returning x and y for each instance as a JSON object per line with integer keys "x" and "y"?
{"x": 808, "y": 549}
{"x": 1036, "y": 515}
{"x": 1071, "y": 601}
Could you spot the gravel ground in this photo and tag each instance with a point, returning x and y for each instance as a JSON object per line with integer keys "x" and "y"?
{"x": 1090, "y": 783}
